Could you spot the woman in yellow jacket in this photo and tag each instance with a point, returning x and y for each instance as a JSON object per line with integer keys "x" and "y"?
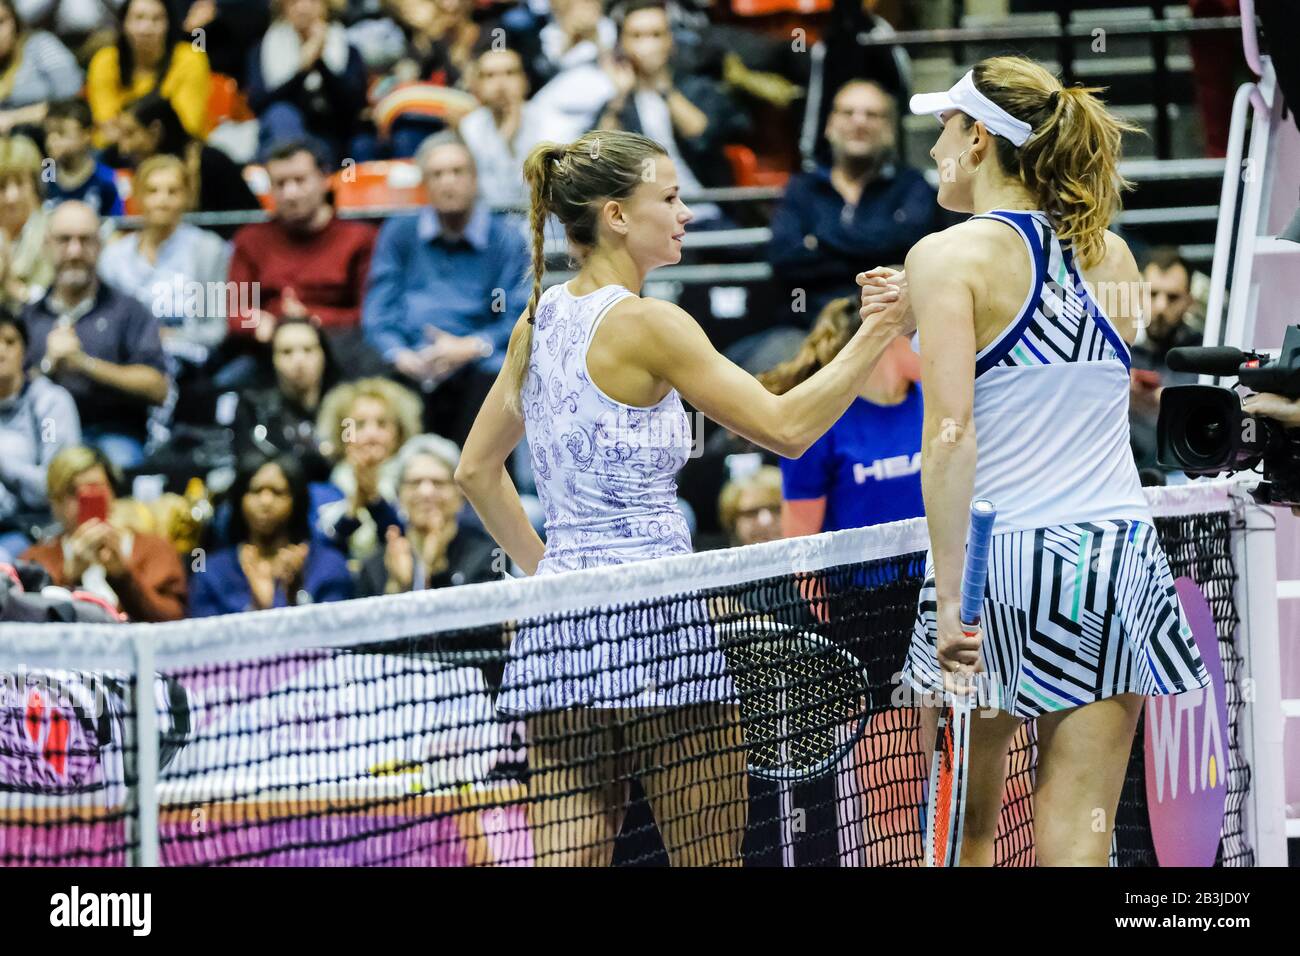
{"x": 150, "y": 55}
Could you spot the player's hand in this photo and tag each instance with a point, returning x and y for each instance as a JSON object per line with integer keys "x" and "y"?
{"x": 958, "y": 652}
{"x": 885, "y": 301}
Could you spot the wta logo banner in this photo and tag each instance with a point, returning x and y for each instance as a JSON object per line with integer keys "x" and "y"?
{"x": 1187, "y": 752}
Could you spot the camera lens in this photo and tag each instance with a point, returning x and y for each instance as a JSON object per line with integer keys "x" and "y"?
{"x": 1204, "y": 435}
{"x": 1206, "y": 431}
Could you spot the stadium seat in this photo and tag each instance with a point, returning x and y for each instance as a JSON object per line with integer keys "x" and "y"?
{"x": 746, "y": 170}
{"x": 260, "y": 185}
{"x": 123, "y": 178}
{"x": 385, "y": 182}
{"x": 226, "y": 102}
{"x": 763, "y": 8}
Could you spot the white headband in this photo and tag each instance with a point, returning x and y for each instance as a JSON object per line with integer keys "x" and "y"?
{"x": 965, "y": 97}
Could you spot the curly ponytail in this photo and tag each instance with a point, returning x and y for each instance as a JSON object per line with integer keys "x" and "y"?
{"x": 835, "y": 326}
{"x": 1070, "y": 163}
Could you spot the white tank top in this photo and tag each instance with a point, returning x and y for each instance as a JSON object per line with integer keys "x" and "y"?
{"x": 1052, "y": 401}
{"x": 606, "y": 472}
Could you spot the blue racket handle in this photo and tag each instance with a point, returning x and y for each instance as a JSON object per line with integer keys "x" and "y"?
{"x": 978, "y": 544}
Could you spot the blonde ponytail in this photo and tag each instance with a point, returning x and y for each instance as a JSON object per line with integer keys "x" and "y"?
{"x": 1070, "y": 163}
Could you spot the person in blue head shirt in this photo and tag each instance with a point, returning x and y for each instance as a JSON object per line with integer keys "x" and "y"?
{"x": 867, "y": 469}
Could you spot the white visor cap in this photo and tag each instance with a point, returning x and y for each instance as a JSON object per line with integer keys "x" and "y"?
{"x": 965, "y": 97}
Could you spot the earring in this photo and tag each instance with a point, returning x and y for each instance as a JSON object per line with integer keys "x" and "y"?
{"x": 960, "y": 155}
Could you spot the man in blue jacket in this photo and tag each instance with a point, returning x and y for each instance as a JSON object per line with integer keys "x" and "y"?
{"x": 446, "y": 287}
{"x": 866, "y": 209}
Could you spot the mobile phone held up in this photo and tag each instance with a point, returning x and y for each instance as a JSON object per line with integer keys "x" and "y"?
{"x": 92, "y": 502}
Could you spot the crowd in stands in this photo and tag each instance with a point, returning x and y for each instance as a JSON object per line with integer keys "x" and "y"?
{"x": 340, "y": 363}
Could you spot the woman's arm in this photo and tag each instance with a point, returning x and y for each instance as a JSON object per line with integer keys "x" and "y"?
{"x": 1124, "y": 305}
{"x": 802, "y": 516}
{"x": 806, "y": 483}
{"x": 189, "y": 86}
{"x": 944, "y": 304}
{"x": 672, "y": 347}
{"x": 483, "y": 477}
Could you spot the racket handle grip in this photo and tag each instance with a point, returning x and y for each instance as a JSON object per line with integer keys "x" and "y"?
{"x": 979, "y": 542}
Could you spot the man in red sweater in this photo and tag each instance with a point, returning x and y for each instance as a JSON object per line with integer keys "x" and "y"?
{"x": 305, "y": 261}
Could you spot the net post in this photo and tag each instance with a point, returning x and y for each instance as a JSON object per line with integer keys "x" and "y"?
{"x": 1254, "y": 555}
{"x": 146, "y": 756}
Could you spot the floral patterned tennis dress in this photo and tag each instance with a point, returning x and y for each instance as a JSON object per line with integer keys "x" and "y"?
{"x": 607, "y": 476}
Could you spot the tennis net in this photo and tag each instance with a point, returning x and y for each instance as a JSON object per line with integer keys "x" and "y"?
{"x": 729, "y": 707}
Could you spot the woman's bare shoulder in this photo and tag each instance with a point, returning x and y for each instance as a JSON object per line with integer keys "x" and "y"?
{"x": 974, "y": 245}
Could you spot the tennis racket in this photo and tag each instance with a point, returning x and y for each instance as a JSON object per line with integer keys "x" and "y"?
{"x": 948, "y": 768}
{"x": 803, "y": 699}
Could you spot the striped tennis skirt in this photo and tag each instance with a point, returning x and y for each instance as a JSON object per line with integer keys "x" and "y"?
{"x": 1073, "y": 614}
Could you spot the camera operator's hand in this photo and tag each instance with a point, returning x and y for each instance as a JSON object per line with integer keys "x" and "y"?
{"x": 1277, "y": 407}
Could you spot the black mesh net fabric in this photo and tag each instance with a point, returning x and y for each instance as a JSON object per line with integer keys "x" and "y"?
{"x": 760, "y": 724}
{"x": 1198, "y": 547}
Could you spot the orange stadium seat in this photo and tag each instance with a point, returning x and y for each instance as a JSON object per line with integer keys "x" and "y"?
{"x": 384, "y": 182}
{"x": 747, "y": 171}
{"x": 765, "y": 8}
{"x": 226, "y": 102}
{"x": 259, "y": 185}
{"x": 122, "y": 179}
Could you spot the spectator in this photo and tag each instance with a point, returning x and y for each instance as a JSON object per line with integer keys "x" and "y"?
{"x": 273, "y": 559}
{"x": 572, "y": 67}
{"x": 749, "y": 508}
{"x": 865, "y": 208}
{"x": 37, "y": 420}
{"x": 305, "y": 261}
{"x": 866, "y": 469}
{"x": 282, "y": 417}
{"x": 84, "y": 25}
{"x": 35, "y": 68}
{"x": 305, "y": 79}
{"x": 441, "y": 36}
{"x": 150, "y": 127}
{"x": 173, "y": 268}
{"x": 77, "y": 173}
{"x": 446, "y": 288}
{"x": 500, "y": 133}
{"x": 230, "y": 27}
{"x": 139, "y": 574}
{"x": 361, "y": 426}
{"x": 577, "y": 36}
{"x": 421, "y": 93}
{"x": 105, "y": 348}
{"x": 150, "y": 56}
{"x": 24, "y": 263}
{"x": 436, "y": 551}
{"x": 689, "y": 115}
{"x": 848, "y": 51}
{"x": 1169, "y": 279}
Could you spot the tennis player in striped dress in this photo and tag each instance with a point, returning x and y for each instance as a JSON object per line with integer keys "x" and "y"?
{"x": 1026, "y": 381}
{"x": 594, "y": 376}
